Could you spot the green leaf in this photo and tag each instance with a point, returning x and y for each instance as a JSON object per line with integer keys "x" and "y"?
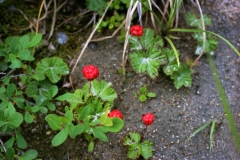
{"x": 85, "y": 112}
{"x": 53, "y": 121}
{"x": 148, "y": 40}
{"x": 182, "y": 77}
{"x": 143, "y": 90}
{"x": 117, "y": 125}
{"x": 25, "y": 55}
{"x": 10, "y": 110}
{"x": 60, "y": 137}
{"x": 28, "y": 117}
{"x": 146, "y": 149}
{"x": 35, "y": 40}
{"x": 32, "y": 88}
{"x": 16, "y": 63}
{"x": 103, "y": 90}
{"x": 11, "y": 89}
{"x": 134, "y": 151}
{"x": 21, "y": 143}
{"x": 53, "y": 68}
{"x": 142, "y": 98}
{"x": 98, "y": 132}
{"x": 3, "y": 105}
{"x": 24, "y": 40}
{"x": 90, "y": 146}
{"x": 9, "y": 143}
{"x": 147, "y": 62}
{"x": 40, "y": 100}
{"x": 14, "y": 45}
{"x": 192, "y": 20}
{"x": 151, "y": 94}
{"x": 2, "y": 123}
{"x": 51, "y": 106}
{"x": 135, "y": 137}
{"x": 29, "y": 155}
{"x": 10, "y": 153}
{"x": 76, "y": 130}
{"x": 64, "y": 97}
{"x": 2, "y": 89}
{"x": 43, "y": 110}
{"x": 96, "y": 5}
{"x": 52, "y": 91}
{"x": 15, "y": 119}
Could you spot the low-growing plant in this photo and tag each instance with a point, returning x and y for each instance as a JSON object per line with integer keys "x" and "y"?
{"x": 88, "y": 112}
{"x": 143, "y": 94}
{"x": 34, "y": 93}
{"x": 136, "y": 148}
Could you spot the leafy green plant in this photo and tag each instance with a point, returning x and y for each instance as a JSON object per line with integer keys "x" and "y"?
{"x": 209, "y": 44}
{"x": 34, "y": 92}
{"x": 148, "y": 54}
{"x": 136, "y": 148}
{"x": 213, "y": 126}
{"x": 144, "y": 94}
{"x": 87, "y": 113}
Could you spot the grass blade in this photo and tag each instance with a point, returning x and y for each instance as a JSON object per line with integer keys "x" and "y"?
{"x": 199, "y": 30}
{"x": 224, "y": 101}
{"x": 211, "y": 134}
{"x": 198, "y": 130}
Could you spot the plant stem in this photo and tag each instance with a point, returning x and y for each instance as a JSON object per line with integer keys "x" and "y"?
{"x": 141, "y": 44}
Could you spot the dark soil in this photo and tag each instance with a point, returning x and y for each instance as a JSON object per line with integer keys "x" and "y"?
{"x": 178, "y": 112}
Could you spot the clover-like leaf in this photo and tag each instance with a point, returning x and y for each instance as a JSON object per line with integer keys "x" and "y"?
{"x": 147, "y": 62}
{"x": 146, "y": 149}
{"x": 182, "y": 77}
{"x": 102, "y": 89}
{"x": 53, "y": 68}
{"x": 147, "y": 40}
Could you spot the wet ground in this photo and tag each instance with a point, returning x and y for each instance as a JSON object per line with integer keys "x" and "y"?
{"x": 177, "y": 112}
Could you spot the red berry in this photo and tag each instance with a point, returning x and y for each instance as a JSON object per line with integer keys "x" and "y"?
{"x": 148, "y": 118}
{"x": 90, "y": 72}
{"x": 115, "y": 113}
{"x": 136, "y": 30}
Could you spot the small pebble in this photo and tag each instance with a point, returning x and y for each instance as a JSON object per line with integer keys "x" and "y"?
{"x": 93, "y": 46}
{"x": 61, "y": 38}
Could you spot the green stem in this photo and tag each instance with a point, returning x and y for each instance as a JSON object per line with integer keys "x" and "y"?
{"x": 224, "y": 101}
{"x": 174, "y": 49}
{"x": 199, "y": 30}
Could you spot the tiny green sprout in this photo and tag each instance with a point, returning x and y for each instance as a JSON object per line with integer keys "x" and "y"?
{"x": 136, "y": 147}
{"x": 144, "y": 94}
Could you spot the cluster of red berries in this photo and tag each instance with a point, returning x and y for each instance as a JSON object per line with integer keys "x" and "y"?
{"x": 90, "y": 72}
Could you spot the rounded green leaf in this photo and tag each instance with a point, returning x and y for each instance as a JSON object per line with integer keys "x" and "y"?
{"x": 28, "y": 117}
{"x": 98, "y": 132}
{"x": 142, "y": 98}
{"x": 29, "y": 155}
{"x": 21, "y": 143}
{"x": 60, "y": 137}
{"x": 151, "y": 94}
{"x": 53, "y": 121}
{"x": 90, "y": 146}
{"x": 117, "y": 125}
{"x": 14, "y": 120}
